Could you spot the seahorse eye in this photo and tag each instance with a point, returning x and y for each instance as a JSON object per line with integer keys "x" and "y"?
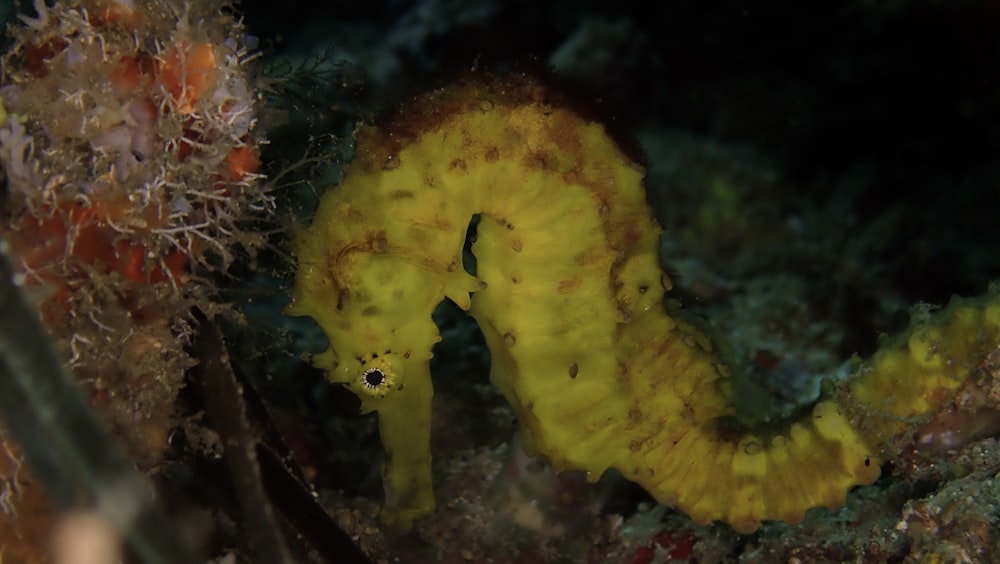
{"x": 373, "y": 378}
{"x": 379, "y": 376}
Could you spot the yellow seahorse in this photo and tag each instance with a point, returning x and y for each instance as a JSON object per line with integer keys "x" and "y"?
{"x": 569, "y": 295}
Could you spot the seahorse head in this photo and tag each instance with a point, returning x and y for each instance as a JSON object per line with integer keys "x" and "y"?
{"x": 373, "y": 302}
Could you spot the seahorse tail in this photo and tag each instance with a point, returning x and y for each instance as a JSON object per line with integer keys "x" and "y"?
{"x": 917, "y": 373}
{"x": 687, "y": 448}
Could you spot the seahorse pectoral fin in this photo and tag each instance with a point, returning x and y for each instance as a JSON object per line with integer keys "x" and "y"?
{"x": 404, "y": 421}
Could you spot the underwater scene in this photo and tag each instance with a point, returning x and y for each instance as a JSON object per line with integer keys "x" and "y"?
{"x": 499, "y": 282}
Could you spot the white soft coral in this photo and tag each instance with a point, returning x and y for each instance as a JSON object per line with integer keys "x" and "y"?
{"x": 39, "y": 21}
{"x": 15, "y": 150}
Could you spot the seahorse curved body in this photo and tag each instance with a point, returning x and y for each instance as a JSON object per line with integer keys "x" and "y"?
{"x": 569, "y": 295}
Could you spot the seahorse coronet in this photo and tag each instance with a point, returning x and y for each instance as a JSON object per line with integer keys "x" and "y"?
{"x": 569, "y": 295}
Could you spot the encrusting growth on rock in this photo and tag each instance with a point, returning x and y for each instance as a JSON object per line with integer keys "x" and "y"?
{"x": 129, "y": 157}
